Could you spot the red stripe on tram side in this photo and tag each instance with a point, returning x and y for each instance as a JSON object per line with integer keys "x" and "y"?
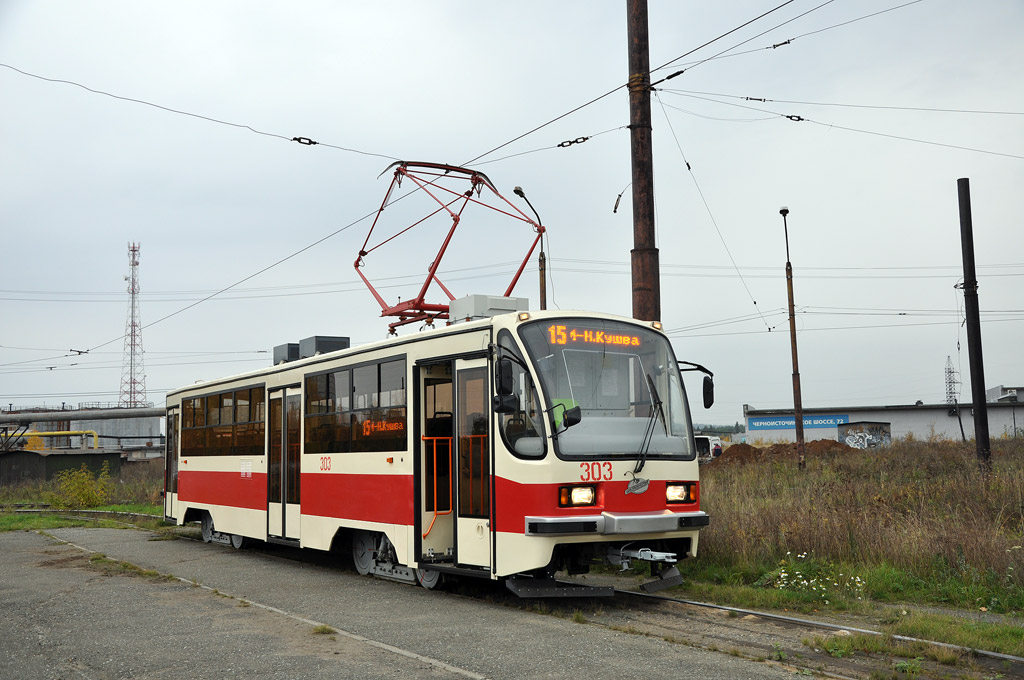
{"x": 515, "y": 502}
{"x": 223, "y": 488}
{"x": 369, "y": 498}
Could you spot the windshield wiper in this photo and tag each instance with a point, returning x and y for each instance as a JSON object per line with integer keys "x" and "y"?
{"x": 656, "y": 413}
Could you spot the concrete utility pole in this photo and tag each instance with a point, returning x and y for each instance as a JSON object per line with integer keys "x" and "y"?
{"x": 798, "y": 407}
{"x": 644, "y": 256}
{"x": 970, "y": 287}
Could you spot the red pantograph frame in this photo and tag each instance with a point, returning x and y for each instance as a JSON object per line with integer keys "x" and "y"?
{"x": 427, "y": 178}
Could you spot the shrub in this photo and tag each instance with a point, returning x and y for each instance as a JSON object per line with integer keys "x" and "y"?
{"x": 81, "y": 489}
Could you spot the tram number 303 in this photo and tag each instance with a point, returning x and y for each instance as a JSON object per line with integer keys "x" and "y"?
{"x": 325, "y": 463}
{"x": 596, "y": 472}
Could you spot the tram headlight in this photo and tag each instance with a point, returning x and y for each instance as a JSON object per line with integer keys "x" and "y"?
{"x": 680, "y": 492}
{"x": 572, "y": 496}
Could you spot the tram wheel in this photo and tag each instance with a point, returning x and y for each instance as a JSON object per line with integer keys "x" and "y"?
{"x": 207, "y": 528}
{"x": 237, "y": 542}
{"x": 428, "y": 578}
{"x": 363, "y": 547}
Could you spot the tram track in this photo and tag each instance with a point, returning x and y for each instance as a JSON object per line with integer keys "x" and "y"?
{"x": 758, "y": 635}
{"x": 824, "y": 625}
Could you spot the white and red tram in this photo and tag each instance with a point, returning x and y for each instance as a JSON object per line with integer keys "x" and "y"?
{"x": 507, "y": 448}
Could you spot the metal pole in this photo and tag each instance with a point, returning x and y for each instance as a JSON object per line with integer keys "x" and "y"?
{"x": 644, "y": 255}
{"x": 543, "y": 268}
{"x": 798, "y": 408}
{"x": 970, "y": 285}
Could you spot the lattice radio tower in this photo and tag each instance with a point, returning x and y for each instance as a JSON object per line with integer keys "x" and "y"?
{"x": 952, "y": 391}
{"x": 133, "y": 374}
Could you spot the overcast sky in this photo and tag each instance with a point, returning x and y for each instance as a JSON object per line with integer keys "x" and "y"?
{"x": 874, "y": 225}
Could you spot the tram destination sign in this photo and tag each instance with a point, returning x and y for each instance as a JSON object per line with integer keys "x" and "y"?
{"x": 571, "y": 335}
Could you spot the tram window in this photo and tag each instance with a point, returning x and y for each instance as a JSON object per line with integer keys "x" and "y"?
{"x": 358, "y": 409}
{"x": 365, "y": 387}
{"x": 225, "y": 424}
{"x": 242, "y": 406}
{"x": 316, "y": 395}
{"x": 227, "y": 408}
{"x": 521, "y": 429}
{"x": 392, "y": 384}
{"x": 258, "y": 409}
{"x": 213, "y": 409}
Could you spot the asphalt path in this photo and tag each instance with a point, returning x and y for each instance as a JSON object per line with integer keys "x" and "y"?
{"x": 240, "y": 613}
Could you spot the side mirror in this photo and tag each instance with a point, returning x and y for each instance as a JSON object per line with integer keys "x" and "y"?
{"x": 709, "y": 392}
{"x": 503, "y": 381}
{"x": 572, "y": 416}
{"x": 505, "y": 403}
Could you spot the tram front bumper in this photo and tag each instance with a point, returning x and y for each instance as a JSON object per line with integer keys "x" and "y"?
{"x": 612, "y": 523}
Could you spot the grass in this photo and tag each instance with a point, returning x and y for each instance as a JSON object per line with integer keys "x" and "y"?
{"x": 917, "y": 523}
{"x": 136, "y": 491}
{"x": 102, "y": 563}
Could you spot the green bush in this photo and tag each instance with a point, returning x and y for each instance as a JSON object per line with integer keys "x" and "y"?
{"x": 81, "y": 489}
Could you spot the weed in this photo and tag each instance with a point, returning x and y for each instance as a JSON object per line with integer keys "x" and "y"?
{"x": 578, "y": 617}
{"x": 323, "y": 629}
{"x": 911, "y": 667}
{"x": 778, "y": 654}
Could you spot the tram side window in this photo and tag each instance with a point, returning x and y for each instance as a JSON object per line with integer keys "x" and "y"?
{"x": 225, "y": 424}
{"x": 358, "y": 409}
{"x": 521, "y": 429}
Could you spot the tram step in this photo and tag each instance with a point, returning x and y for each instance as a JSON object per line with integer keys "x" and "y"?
{"x": 549, "y": 587}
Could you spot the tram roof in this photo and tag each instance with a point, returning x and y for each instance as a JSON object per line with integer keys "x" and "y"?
{"x": 500, "y": 320}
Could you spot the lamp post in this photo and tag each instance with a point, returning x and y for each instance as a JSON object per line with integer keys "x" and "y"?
{"x": 541, "y": 261}
{"x": 798, "y": 410}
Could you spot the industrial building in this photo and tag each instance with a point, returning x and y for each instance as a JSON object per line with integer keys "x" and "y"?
{"x": 870, "y": 426}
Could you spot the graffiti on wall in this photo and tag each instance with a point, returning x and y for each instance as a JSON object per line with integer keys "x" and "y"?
{"x": 866, "y": 435}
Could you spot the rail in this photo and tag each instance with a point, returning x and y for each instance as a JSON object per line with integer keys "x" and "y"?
{"x": 433, "y": 444}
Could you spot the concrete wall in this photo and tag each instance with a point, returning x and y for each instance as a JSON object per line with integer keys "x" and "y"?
{"x": 923, "y": 422}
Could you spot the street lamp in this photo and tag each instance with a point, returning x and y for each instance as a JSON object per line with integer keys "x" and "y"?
{"x": 541, "y": 260}
{"x": 798, "y": 410}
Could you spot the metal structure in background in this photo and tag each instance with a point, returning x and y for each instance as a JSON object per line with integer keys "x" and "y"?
{"x": 798, "y": 409}
{"x": 970, "y": 287}
{"x": 644, "y": 255}
{"x": 953, "y": 394}
{"x": 133, "y": 374}
{"x": 436, "y": 180}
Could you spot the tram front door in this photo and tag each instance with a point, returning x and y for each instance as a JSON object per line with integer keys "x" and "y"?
{"x": 455, "y": 463}
{"x": 283, "y": 464}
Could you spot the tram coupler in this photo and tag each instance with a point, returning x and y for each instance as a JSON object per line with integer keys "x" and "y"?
{"x": 668, "y": 575}
{"x": 623, "y": 558}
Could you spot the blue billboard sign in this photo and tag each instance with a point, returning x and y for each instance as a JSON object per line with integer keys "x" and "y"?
{"x": 789, "y": 422}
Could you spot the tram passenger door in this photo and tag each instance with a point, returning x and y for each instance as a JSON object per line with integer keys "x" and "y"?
{"x": 171, "y": 463}
{"x": 285, "y": 416}
{"x": 455, "y": 463}
{"x": 473, "y": 456}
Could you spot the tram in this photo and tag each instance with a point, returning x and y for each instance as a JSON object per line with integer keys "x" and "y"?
{"x": 508, "y": 447}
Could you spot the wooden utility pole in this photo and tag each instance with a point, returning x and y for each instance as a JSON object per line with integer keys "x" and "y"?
{"x": 798, "y": 407}
{"x": 644, "y": 255}
{"x": 973, "y": 314}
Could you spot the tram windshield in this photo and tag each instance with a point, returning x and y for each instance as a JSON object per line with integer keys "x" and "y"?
{"x": 624, "y": 379}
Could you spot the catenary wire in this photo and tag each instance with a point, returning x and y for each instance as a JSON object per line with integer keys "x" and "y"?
{"x": 305, "y": 141}
{"x": 711, "y": 215}
{"x": 802, "y": 119}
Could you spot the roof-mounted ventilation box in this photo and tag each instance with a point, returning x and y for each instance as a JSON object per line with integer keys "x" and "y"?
{"x": 474, "y": 307}
{"x": 321, "y": 344}
{"x": 286, "y": 352}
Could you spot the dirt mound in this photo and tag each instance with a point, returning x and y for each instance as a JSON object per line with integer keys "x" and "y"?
{"x": 745, "y": 453}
